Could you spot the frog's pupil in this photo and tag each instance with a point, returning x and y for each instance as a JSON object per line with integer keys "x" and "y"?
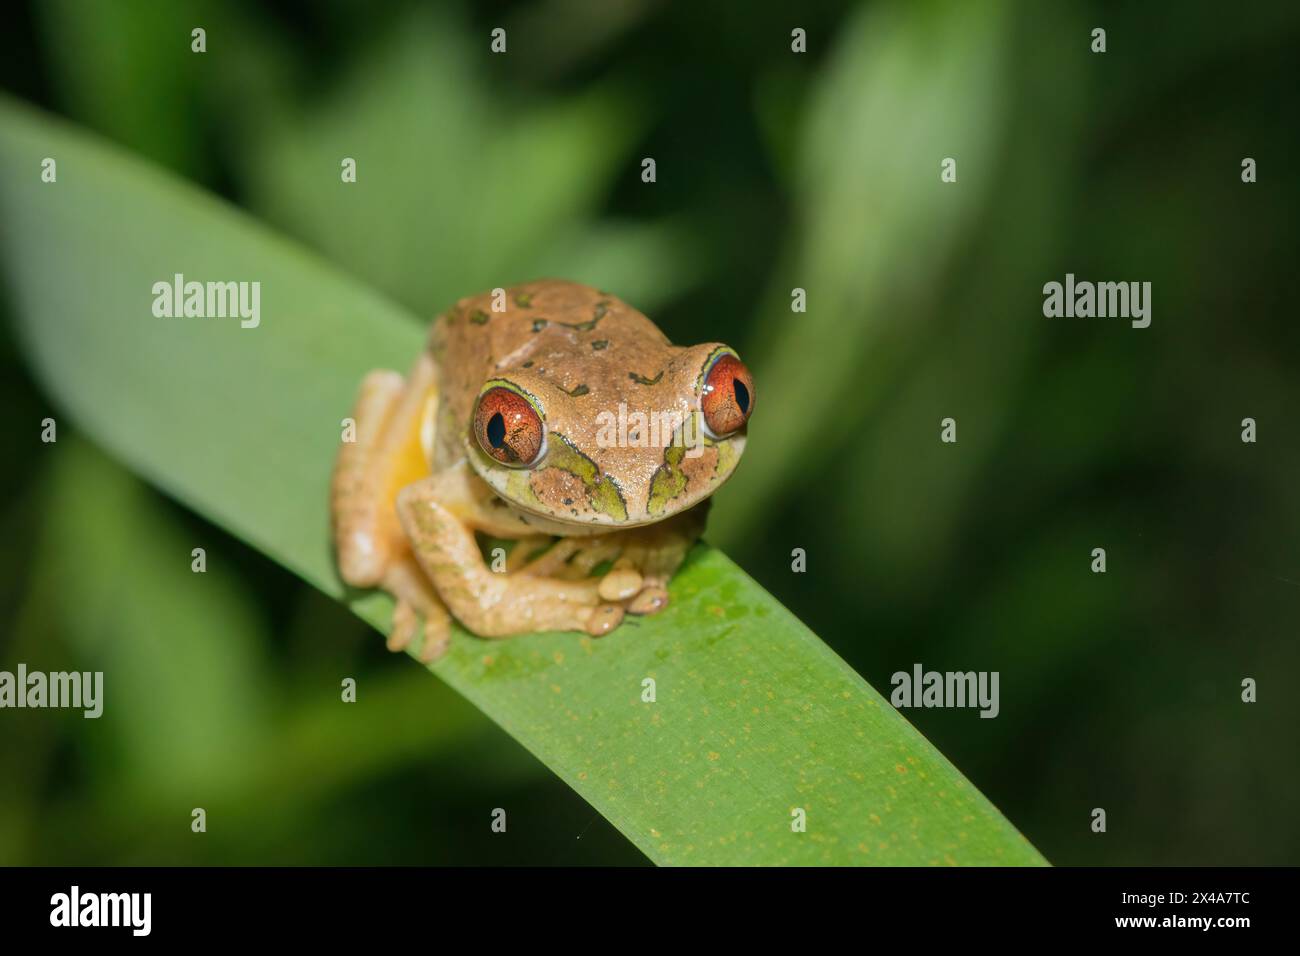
{"x": 496, "y": 431}
{"x": 742, "y": 395}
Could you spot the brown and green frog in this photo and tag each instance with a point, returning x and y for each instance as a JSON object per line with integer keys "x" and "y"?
{"x": 551, "y": 415}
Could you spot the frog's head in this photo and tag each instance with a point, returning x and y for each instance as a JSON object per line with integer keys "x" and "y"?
{"x": 619, "y": 437}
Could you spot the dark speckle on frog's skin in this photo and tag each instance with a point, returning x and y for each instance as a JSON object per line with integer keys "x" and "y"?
{"x": 578, "y": 391}
{"x": 528, "y": 364}
{"x": 601, "y": 310}
{"x": 539, "y": 324}
{"x": 599, "y": 344}
{"x": 642, "y": 380}
{"x": 479, "y": 317}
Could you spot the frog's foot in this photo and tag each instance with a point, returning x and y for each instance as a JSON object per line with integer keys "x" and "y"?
{"x": 642, "y": 561}
{"x": 639, "y": 578}
{"x": 623, "y": 584}
{"x": 488, "y": 603}
{"x": 573, "y": 558}
{"x": 648, "y": 558}
{"x": 416, "y": 602}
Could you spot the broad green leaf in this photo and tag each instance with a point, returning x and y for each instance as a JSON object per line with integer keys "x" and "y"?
{"x": 755, "y": 717}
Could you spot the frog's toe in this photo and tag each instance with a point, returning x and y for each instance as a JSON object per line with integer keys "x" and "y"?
{"x": 405, "y": 621}
{"x": 649, "y": 600}
{"x": 437, "y": 638}
{"x": 525, "y": 551}
{"x": 603, "y": 619}
{"x": 551, "y": 563}
{"x": 621, "y": 582}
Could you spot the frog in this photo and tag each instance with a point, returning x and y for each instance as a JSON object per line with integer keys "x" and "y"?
{"x": 529, "y": 419}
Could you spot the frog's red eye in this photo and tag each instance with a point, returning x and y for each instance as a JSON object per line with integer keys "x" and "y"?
{"x": 508, "y": 428}
{"x": 728, "y": 396}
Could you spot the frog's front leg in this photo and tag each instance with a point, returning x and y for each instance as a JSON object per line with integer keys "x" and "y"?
{"x": 488, "y": 603}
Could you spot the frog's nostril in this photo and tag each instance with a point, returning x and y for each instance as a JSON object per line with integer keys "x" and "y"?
{"x": 742, "y": 395}
{"x": 496, "y": 431}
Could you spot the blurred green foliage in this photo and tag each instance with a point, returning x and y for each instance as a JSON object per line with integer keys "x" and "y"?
{"x": 774, "y": 171}
{"x": 756, "y": 715}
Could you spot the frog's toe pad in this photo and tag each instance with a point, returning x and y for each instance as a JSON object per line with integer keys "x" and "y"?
{"x": 404, "y": 624}
{"x": 604, "y": 619}
{"x": 437, "y": 639}
{"x": 650, "y": 600}
{"x": 621, "y": 582}
{"x": 406, "y": 621}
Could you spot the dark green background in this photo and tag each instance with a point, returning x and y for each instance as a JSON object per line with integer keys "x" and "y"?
{"x": 774, "y": 171}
